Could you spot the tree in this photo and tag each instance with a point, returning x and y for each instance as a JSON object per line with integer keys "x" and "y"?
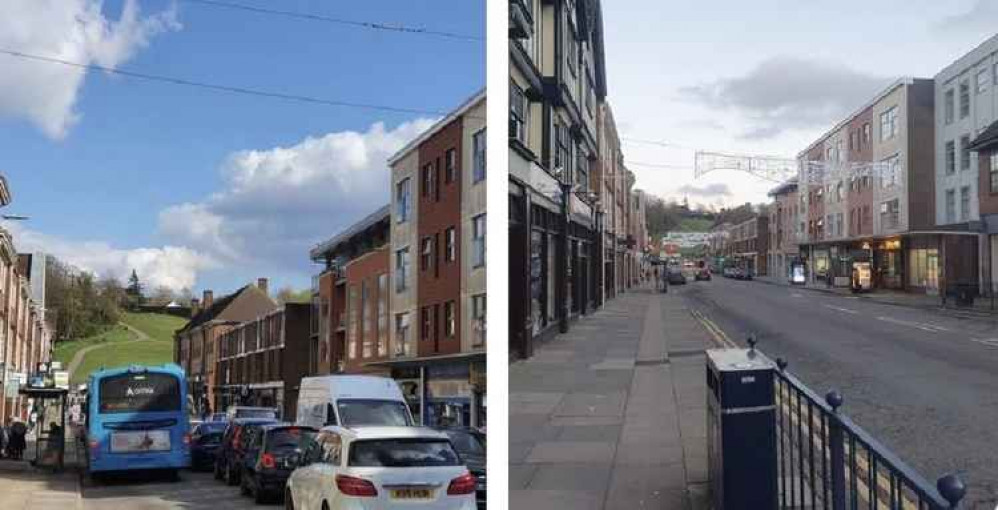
{"x": 290, "y": 295}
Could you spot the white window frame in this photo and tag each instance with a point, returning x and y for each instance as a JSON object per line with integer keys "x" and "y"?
{"x": 478, "y": 234}
{"x": 478, "y": 144}
{"x": 403, "y": 200}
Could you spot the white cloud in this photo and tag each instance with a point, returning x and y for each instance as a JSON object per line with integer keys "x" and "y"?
{"x": 75, "y": 30}
{"x": 982, "y": 15}
{"x": 169, "y": 266}
{"x": 276, "y": 203}
{"x": 789, "y": 93}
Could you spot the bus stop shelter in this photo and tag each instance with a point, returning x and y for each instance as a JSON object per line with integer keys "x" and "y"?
{"x": 50, "y": 435}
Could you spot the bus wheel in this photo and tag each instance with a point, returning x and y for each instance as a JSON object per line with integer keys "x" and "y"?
{"x": 173, "y": 475}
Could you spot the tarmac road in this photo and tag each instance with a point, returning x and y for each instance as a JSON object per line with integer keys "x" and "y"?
{"x": 924, "y": 383}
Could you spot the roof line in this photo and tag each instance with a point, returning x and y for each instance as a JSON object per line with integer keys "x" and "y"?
{"x": 432, "y": 130}
{"x": 904, "y": 80}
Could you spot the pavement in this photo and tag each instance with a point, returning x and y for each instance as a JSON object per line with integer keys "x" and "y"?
{"x": 921, "y": 381}
{"x": 612, "y": 414}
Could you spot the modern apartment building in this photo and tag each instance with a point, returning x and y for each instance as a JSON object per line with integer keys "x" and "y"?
{"x": 557, "y": 82}
{"x": 354, "y": 297}
{"x": 261, "y": 361}
{"x": 402, "y": 292}
{"x": 867, "y": 187}
{"x": 966, "y": 93}
{"x": 441, "y": 318}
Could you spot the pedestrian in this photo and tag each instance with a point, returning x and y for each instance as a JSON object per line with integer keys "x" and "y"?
{"x": 17, "y": 444}
{"x": 3, "y": 439}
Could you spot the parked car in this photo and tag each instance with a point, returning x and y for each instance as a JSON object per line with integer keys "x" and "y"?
{"x": 380, "y": 467}
{"x": 351, "y": 401}
{"x": 229, "y": 455}
{"x": 470, "y": 445}
{"x": 703, "y": 274}
{"x": 270, "y": 458}
{"x": 205, "y": 440}
{"x": 675, "y": 276}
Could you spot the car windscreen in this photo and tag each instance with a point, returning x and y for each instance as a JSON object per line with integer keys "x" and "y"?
{"x": 359, "y": 412}
{"x": 212, "y": 427}
{"x": 402, "y": 453}
{"x": 256, "y": 413}
{"x": 138, "y": 393}
{"x": 290, "y": 438}
{"x": 466, "y": 443}
{"x": 210, "y": 438}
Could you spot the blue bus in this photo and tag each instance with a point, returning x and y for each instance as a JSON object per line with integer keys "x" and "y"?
{"x": 137, "y": 420}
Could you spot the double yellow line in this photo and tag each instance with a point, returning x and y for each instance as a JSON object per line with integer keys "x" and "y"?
{"x": 720, "y": 337}
{"x": 812, "y": 431}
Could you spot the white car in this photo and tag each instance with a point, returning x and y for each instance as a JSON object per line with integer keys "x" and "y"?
{"x": 380, "y": 468}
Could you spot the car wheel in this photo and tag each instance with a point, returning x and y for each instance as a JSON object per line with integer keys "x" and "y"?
{"x": 173, "y": 475}
{"x": 244, "y": 488}
{"x": 259, "y": 496}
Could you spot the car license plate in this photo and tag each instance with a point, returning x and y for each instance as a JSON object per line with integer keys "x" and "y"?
{"x": 140, "y": 441}
{"x": 412, "y": 493}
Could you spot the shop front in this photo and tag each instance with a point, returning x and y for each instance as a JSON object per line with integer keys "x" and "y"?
{"x": 447, "y": 391}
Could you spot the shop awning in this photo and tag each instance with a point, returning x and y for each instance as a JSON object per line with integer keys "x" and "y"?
{"x": 429, "y": 360}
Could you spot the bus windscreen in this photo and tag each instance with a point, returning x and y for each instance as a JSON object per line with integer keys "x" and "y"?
{"x": 139, "y": 393}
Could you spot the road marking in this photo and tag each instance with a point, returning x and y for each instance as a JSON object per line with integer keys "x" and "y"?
{"x": 844, "y": 310}
{"x": 993, "y": 342}
{"x": 796, "y": 295}
{"x": 932, "y": 328}
{"x": 719, "y": 336}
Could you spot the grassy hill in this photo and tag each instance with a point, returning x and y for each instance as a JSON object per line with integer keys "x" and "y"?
{"x": 119, "y": 346}
{"x": 694, "y": 225}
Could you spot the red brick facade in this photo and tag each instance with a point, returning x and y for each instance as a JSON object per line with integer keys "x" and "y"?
{"x": 366, "y": 286}
{"x": 437, "y": 258}
{"x": 859, "y": 217}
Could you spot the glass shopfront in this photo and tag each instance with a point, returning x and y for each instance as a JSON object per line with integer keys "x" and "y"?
{"x": 923, "y": 269}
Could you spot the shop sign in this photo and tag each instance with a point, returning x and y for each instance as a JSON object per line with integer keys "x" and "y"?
{"x": 448, "y": 371}
{"x": 61, "y": 379}
{"x": 449, "y": 389}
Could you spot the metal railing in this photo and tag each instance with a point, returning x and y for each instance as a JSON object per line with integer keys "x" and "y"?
{"x": 827, "y": 461}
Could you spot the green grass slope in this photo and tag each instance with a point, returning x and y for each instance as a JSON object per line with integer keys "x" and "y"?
{"x": 119, "y": 347}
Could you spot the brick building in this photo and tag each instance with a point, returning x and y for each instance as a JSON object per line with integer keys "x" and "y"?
{"x": 261, "y": 361}
{"x": 25, "y": 338}
{"x": 352, "y": 296}
{"x": 196, "y": 346}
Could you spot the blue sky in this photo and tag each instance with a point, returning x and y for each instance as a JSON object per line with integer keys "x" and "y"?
{"x": 151, "y": 165}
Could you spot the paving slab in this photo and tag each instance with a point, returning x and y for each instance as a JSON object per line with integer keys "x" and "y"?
{"x": 605, "y": 415}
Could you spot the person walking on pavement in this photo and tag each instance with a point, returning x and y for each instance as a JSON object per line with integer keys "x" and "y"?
{"x": 3, "y": 439}
{"x": 18, "y": 431}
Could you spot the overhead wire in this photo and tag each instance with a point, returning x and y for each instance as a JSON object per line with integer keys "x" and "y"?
{"x": 224, "y": 88}
{"x": 339, "y": 21}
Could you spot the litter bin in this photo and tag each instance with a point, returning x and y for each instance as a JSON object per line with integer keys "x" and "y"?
{"x": 741, "y": 430}
{"x": 963, "y": 294}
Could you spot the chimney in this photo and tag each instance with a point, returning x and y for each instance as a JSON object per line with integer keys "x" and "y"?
{"x": 261, "y": 283}
{"x": 195, "y": 307}
{"x": 207, "y": 299}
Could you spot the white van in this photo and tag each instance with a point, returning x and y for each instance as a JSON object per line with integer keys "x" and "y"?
{"x": 351, "y": 401}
